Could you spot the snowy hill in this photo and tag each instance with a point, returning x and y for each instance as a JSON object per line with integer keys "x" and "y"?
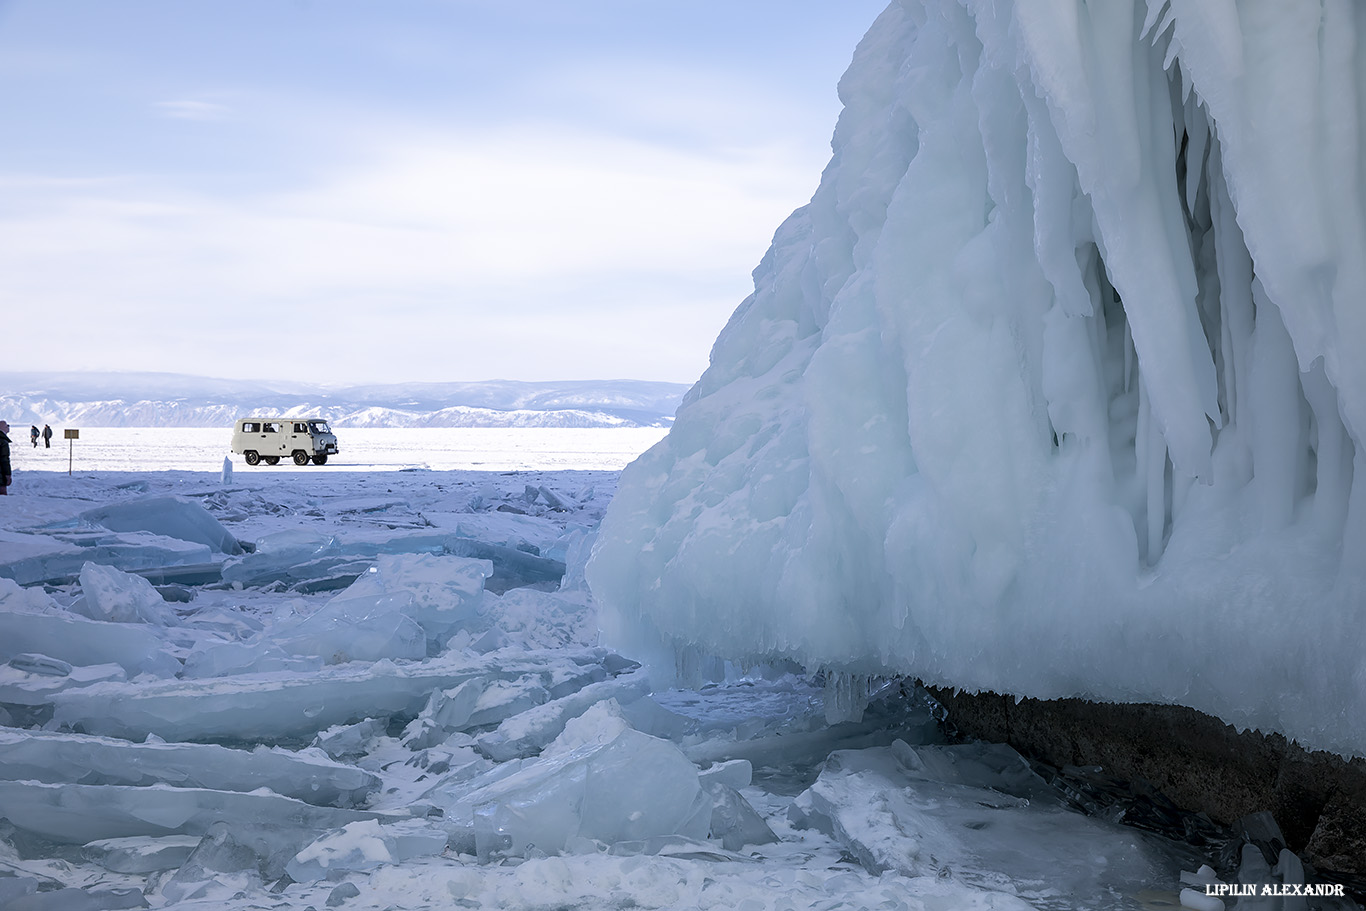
{"x": 1055, "y": 388}
{"x": 173, "y": 400}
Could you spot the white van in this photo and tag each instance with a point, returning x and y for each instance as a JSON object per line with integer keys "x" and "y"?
{"x": 270, "y": 439}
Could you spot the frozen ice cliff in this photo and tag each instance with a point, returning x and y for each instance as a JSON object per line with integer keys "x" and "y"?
{"x": 1056, "y": 386}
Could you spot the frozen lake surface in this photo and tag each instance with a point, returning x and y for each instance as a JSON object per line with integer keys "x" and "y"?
{"x": 368, "y": 449}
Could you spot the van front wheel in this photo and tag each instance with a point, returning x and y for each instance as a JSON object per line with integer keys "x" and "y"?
{"x": 320, "y": 458}
{"x": 251, "y": 456}
{"x": 300, "y": 457}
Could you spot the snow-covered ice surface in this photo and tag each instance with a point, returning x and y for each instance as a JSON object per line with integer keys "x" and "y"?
{"x": 1056, "y": 387}
{"x": 362, "y": 449}
{"x": 351, "y": 714}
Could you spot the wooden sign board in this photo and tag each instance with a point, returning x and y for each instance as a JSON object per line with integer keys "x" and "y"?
{"x": 72, "y": 434}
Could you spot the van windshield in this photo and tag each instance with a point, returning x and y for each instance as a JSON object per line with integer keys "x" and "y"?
{"x": 319, "y": 426}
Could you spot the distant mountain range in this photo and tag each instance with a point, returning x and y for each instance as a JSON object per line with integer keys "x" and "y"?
{"x": 176, "y": 400}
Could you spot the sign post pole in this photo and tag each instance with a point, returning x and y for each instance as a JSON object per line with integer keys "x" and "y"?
{"x": 72, "y": 435}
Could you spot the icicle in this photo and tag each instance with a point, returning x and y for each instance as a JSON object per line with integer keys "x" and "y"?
{"x": 1234, "y": 266}
{"x": 1141, "y": 427}
{"x": 1226, "y": 343}
{"x": 1089, "y": 262}
{"x": 1152, "y": 461}
{"x": 846, "y": 696}
{"x": 1052, "y": 181}
{"x": 1154, "y": 11}
{"x": 695, "y": 667}
{"x": 1333, "y": 479}
{"x": 1167, "y": 21}
{"x": 1141, "y": 430}
{"x": 1277, "y": 445}
{"x": 1129, "y": 354}
{"x": 1173, "y": 49}
{"x": 1197, "y": 132}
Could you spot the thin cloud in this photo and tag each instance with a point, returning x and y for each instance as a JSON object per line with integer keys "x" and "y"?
{"x": 519, "y": 238}
{"x": 193, "y": 110}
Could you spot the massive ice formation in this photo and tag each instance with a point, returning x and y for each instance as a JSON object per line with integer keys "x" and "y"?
{"x": 1056, "y": 387}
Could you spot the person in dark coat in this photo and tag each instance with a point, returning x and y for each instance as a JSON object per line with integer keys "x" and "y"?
{"x": 4, "y": 458}
{"x": 33, "y": 435}
{"x": 47, "y": 437}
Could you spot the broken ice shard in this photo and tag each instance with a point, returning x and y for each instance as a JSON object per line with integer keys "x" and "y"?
{"x": 174, "y": 517}
{"x": 32, "y": 622}
{"x": 52, "y": 757}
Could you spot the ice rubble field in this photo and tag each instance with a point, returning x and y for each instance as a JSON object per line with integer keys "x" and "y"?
{"x": 338, "y": 706}
{"x": 1056, "y": 387}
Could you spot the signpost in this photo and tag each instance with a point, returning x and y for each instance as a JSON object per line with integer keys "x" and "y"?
{"x": 71, "y": 434}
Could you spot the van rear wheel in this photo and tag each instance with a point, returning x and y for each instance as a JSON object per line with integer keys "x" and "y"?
{"x": 251, "y": 456}
{"x": 272, "y": 460}
{"x": 320, "y": 458}
{"x": 300, "y": 457}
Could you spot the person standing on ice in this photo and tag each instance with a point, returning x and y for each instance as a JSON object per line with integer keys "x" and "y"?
{"x": 4, "y": 458}
{"x": 33, "y": 435}
{"x": 47, "y": 437}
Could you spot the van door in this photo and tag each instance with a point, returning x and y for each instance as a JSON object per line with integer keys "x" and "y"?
{"x": 273, "y": 439}
{"x": 299, "y": 437}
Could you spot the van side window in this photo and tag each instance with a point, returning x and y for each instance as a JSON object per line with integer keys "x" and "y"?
{"x": 301, "y": 428}
{"x": 272, "y": 428}
{"x": 251, "y": 427}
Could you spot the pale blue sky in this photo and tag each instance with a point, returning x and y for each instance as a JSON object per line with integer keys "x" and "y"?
{"x": 423, "y": 189}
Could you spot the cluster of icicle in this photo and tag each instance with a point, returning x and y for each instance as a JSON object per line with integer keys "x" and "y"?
{"x": 1057, "y": 386}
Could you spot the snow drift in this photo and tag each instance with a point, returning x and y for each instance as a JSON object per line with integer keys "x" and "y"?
{"x": 1055, "y": 386}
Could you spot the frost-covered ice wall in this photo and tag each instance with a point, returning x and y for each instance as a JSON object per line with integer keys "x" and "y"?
{"x": 1058, "y": 385}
